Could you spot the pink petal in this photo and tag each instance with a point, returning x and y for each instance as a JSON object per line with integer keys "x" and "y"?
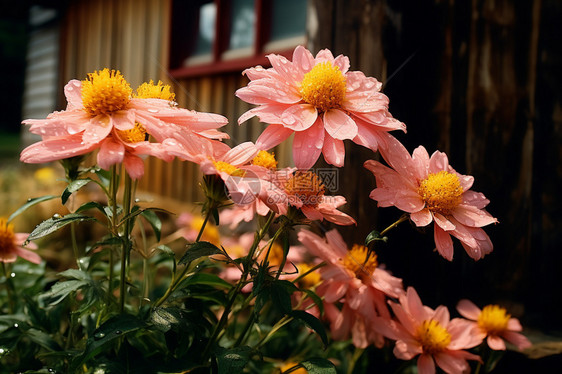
{"x": 299, "y": 117}
{"x": 311, "y": 213}
{"x": 496, "y": 343}
{"x": 336, "y": 242}
{"x": 110, "y": 153}
{"x": 302, "y": 60}
{"x": 514, "y": 325}
{"x": 333, "y": 151}
{"x": 519, "y": 340}
{"x": 339, "y": 125}
{"x": 438, "y": 162}
{"x": 472, "y": 216}
{"x": 450, "y": 363}
{"x": 443, "y": 242}
{"x": 468, "y": 309}
{"x": 442, "y": 315}
{"x": 443, "y": 222}
{"x": 415, "y": 306}
{"x": 73, "y": 93}
{"x": 98, "y": 129}
{"x": 28, "y": 255}
{"x": 134, "y": 166}
{"x": 56, "y": 149}
{"x": 426, "y": 364}
{"x": 307, "y": 146}
{"x": 123, "y": 119}
{"x": 272, "y": 136}
{"x": 476, "y": 199}
{"x": 342, "y": 62}
{"x": 241, "y": 154}
{"x": 335, "y": 216}
{"x": 422, "y": 218}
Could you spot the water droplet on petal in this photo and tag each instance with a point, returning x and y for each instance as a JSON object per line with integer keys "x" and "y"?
{"x": 153, "y": 110}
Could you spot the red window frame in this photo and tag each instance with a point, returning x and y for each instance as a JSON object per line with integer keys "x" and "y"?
{"x": 178, "y": 49}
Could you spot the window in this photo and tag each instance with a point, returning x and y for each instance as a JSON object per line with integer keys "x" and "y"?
{"x": 213, "y": 36}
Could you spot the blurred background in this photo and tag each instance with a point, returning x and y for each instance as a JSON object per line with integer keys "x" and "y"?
{"x": 479, "y": 80}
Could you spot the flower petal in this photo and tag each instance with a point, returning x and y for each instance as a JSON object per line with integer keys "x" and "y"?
{"x": 110, "y": 153}
{"x": 307, "y": 146}
{"x": 333, "y": 151}
{"x": 272, "y": 136}
{"x": 299, "y": 117}
{"x": 339, "y": 125}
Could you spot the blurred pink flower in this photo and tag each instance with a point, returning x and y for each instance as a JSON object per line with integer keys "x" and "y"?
{"x": 305, "y": 191}
{"x": 103, "y": 114}
{"x": 356, "y": 280}
{"x": 12, "y": 245}
{"x": 431, "y": 334}
{"x": 495, "y": 324}
{"x": 431, "y": 190}
{"x": 321, "y": 102}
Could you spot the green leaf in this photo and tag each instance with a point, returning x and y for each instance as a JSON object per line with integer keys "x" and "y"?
{"x": 375, "y": 235}
{"x": 29, "y": 204}
{"x": 62, "y": 289}
{"x": 114, "y": 328}
{"x": 281, "y": 296}
{"x": 319, "y": 365}
{"x": 91, "y": 205}
{"x": 72, "y": 187}
{"x": 316, "y": 299}
{"x": 312, "y": 322}
{"x": 206, "y": 279}
{"x": 197, "y": 250}
{"x": 154, "y": 221}
{"x": 232, "y": 361}
{"x": 43, "y": 339}
{"x": 53, "y": 224}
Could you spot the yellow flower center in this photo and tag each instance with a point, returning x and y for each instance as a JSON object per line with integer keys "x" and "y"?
{"x": 442, "y": 192}
{"x": 493, "y": 319}
{"x": 324, "y": 86}
{"x": 307, "y": 187}
{"x": 134, "y": 135}
{"x": 6, "y": 236}
{"x": 229, "y": 169}
{"x": 265, "y": 159}
{"x": 309, "y": 280}
{"x": 104, "y": 92}
{"x": 290, "y": 365}
{"x": 432, "y": 337}
{"x": 360, "y": 261}
{"x": 155, "y": 91}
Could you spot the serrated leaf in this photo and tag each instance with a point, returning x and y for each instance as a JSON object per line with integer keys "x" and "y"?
{"x": 154, "y": 221}
{"x": 72, "y": 187}
{"x": 62, "y": 289}
{"x": 53, "y": 224}
{"x": 319, "y": 365}
{"x": 312, "y": 322}
{"x": 29, "y": 204}
{"x": 232, "y": 361}
{"x": 197, "y": 250}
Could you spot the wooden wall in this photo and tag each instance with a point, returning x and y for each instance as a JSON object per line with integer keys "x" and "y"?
{"x": 480, "y": 80}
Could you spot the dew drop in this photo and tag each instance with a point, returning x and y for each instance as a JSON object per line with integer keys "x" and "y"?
{"x": 28, "y": 200}
{"x": 56, "y": 216}
{"x": 13, "y": 275}
{"x": 99, "y": 335}
{"x": 51, "y": 370}
{"x": 16, "y": 325}
{"x": 153, "y": 110}
{"x": 137, "y": 200}
{"x": 118, "y": 332}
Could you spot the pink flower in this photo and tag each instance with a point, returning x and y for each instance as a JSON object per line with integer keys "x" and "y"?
{"x": 429, "y": 334}
{"x": 494, "y": 323}
{"x": 305, "y": 191}
{"x": 357, "y": 280}
{"x": 321, "y": 102}
{"x": 102, "y": 114}
{"x": 12, "y": 245}
{"x": 431, "y": 190}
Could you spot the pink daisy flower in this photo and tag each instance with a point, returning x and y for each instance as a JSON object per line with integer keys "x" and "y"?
{"x": 12, "y": 245}
{"x": 357, "y": 280}
{"x": 429, "y": 334}
{"x": 430, "y": 190}
{"x": 495, "y": 324}
{"x": 102, "y": 114}
{"x": 321, "y": 102}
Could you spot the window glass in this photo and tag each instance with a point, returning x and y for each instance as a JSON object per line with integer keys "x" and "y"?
{"x": 206, "y": 31}
{"x": 242, "y": 24}
{"x": 288, "y": 19}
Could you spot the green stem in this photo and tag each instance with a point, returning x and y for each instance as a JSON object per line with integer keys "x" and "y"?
{"x": 10, "y": 288}
{"x": 77, "y": 254}
{"x": 112, "y": 201}
{"x": 175, "y": 279}
{"x": 403, "y": 218}
{"x": 356, "y": 355}
{"x": 126, "y": 239}
{"x": 247, "y": 266}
